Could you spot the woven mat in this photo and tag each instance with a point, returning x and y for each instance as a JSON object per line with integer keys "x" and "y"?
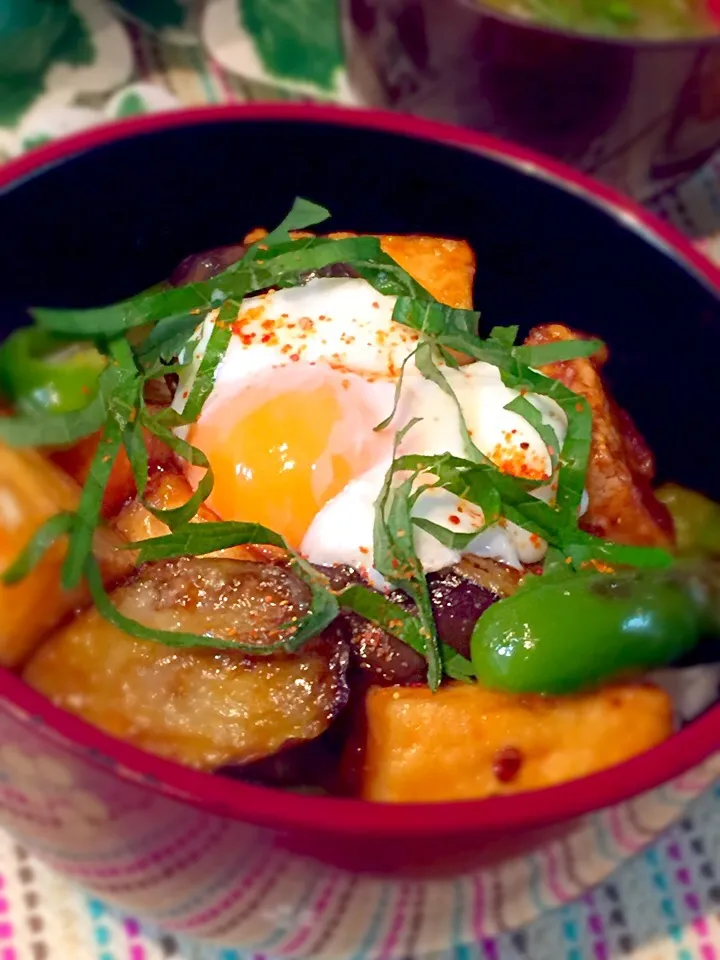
{"x": 139, "y": 56}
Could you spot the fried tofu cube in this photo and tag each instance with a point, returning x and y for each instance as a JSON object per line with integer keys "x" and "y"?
{"x": 467, "y": 743}
{"x": 446, "y": 268}
{"x": 77, "y": 460}
{"x": 31, "y": 491}
{"x": 621, "y": 503}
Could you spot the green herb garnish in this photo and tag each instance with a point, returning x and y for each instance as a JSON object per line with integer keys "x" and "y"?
{"x": 398, "y": 391}
{"x": 280, "y": 266}
{"x": 435, "y": 319}
{"x": 197, "y": 539}
{"x": 167, "y": 339}
{"x": 516, "y": 373}
{"x": 427, "y": 364}
{"x": 122, "y": 398}
{"x": 402, "y": 624}
{"x": 303, "y": 213}
{"x": 35, "y": 549}
{"x": 395, "y": 558}
{"x": 174, "y": 317}
{"x": 530, "y": 412}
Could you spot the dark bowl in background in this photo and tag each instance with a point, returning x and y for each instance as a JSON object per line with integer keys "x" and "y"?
{"x": 639, "y": 114}
{"x": 105, "y": 213}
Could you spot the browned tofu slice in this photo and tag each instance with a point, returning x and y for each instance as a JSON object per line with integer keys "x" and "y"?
{"x": 446, "y": 268}
{"x": 465, "y": 742}
{"x": 205, "y": 708}
{"x": 621, "y": 503}
{"x": 31, "y": 490}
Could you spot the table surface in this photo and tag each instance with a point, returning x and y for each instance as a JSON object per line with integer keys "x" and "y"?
{"x": 139, "y": 56}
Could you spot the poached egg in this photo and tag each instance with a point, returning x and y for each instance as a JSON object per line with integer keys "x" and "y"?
{"x": 289, "y": 428}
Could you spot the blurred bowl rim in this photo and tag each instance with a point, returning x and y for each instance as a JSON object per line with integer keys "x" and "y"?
{"x": 278, "y": 809}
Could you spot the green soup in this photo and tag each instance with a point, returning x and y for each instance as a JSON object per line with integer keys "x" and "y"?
{"x": 653, "y": 19}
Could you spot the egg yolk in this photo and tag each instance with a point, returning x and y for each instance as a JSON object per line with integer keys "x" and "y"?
{"x": 279, "y": 457}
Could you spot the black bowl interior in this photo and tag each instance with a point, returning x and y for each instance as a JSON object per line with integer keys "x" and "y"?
{"x": 106, "y": 223}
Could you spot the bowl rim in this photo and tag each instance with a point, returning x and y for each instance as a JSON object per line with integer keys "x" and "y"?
{"x": 274, "y": 808}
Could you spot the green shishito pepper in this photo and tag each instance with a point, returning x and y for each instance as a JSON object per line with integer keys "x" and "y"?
{"x": 696, "y": 519}
{"x": 562, "y": 635}
{"x": 40, "y": 373}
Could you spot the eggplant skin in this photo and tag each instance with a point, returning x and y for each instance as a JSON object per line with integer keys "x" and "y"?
{"x": 201, "y": 707}
{"x": 459, "y": 596}
{"x": 376, "y": 657}
{"x": 206, "y": 265}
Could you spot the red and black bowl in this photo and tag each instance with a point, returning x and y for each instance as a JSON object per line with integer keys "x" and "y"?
{"x": 109, "y": 212}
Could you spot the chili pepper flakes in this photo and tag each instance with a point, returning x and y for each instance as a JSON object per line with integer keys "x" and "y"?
{"x": 506, "y": 764}
{"x": 599, "y": 565}
{"x": 513, "y": 461}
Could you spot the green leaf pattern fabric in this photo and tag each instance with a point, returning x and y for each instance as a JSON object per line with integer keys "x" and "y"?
{"x": 66, "y": 65}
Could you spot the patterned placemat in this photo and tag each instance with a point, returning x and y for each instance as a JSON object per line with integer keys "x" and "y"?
{"x": 69, "y": 64}
{"x": 661, "y": 905}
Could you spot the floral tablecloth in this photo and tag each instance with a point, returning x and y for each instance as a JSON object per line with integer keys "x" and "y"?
{"x": 69, "y": 64}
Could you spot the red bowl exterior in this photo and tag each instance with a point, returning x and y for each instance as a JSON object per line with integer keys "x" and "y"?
{"x": 158, "y": 838}
{"x": 638, "y": 114}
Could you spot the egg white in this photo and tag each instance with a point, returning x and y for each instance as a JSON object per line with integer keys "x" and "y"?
{"x": 342, "y": 531}
{"x": 344, "y": 323}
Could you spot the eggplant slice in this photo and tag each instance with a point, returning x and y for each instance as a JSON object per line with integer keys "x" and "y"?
{"x": 459, "y": 596}
{"x": 202, "y": 707}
